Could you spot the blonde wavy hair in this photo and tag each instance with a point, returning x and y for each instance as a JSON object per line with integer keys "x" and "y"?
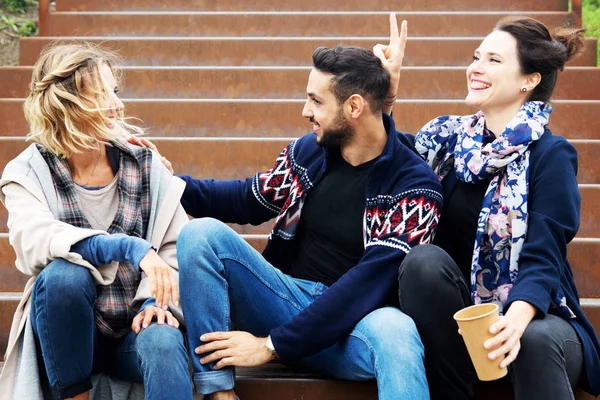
{"x": 68, "y": 100}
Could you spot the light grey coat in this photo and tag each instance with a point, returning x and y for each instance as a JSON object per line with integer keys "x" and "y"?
{"x": 38, "y": 237}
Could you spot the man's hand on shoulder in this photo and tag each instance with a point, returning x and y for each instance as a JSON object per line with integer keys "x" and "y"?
{"x": 235, "y": 348}
{"x": 143, "y": 142}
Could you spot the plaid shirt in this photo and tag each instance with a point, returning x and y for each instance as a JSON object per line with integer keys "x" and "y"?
{"x": 113, "y": 312}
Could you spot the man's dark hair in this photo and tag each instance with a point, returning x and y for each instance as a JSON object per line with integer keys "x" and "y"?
{"x": 355, "y": 71}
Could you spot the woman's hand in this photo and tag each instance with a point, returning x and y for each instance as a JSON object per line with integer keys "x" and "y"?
{"x": 143, "y": 142}
{"x": 508, "y": 331}
{"x": 163, "y": 285}
{"x": 391, "y": 57}
{"x": 145, "y": 317}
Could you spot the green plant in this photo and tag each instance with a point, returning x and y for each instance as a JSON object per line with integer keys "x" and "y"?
{"x": 29, "y": 28}
{"x": 9, "y": 23}
{"x": 591, "y": 19}
{"x": 15, "y": 6}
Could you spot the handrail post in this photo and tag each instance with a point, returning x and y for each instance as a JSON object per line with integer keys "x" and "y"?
{"x": 576, "y": 12}
{"x": 44, "y": 12}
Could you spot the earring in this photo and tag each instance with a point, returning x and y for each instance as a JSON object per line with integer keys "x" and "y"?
{"x": 524, "y": 89}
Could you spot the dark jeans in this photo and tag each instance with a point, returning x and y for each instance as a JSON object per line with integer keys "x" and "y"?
{"x": 432, "y": 288}
{"x": 62, "y": 318}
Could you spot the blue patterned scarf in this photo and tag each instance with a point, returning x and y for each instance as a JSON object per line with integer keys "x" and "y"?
{"x": 453, "y": 142}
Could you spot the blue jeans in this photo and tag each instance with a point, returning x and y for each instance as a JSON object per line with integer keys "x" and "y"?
{"x": 62, "y": 318}
{"x": 224, "y": 280}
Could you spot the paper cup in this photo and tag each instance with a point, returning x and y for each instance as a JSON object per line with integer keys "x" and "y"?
{"x": 474, "y": 323}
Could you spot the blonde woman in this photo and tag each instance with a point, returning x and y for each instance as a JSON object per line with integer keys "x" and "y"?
{"x": 93, "y": 220}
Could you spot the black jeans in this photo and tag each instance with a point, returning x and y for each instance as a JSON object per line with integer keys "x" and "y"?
{"x": 432, "y": 288}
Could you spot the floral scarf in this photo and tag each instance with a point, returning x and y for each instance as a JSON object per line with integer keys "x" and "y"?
{"x": 453, "y": 142}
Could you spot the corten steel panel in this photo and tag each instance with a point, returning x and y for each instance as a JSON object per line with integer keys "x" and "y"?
{"x": 203, "y": 159}
{"x": 182, "y": 51}
{"x": 285, "y": 83}
{"x": 7, "y": 310}
{"x": 311, "y": 5}
{"x": 282, "y": 118}
{"x": 302, "y": 24}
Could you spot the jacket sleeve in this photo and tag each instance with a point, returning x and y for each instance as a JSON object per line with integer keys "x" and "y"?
{"x": 36, "y": 236}
{"x": 240, "y": 201}
{"x": 410, "y": 221}
{"x": 554, "y": 203}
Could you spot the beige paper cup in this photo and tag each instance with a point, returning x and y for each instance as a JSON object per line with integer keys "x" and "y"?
{"x": 474, "y": 323}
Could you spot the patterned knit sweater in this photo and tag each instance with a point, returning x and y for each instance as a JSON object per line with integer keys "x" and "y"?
{"x": 402, "y": 210}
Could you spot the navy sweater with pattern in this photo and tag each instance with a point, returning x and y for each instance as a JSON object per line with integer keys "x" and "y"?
{"x": 402, "y": 210}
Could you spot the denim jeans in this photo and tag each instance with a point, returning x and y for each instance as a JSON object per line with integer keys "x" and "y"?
{"x": 432, "y": 288}
{"x": 62, "y": 318}
{"x": 223, "y": 280}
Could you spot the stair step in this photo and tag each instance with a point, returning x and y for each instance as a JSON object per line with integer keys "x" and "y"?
{"x": 282, "y": 118}
{"x": 263, "y": 382}
{"x": 281, "y": 23}
{"x": 310, "y": 5}
{"x": 282, "y": 383}
{"x": 204, "y": 157}
{"x": 575, "y": 83}
{"x": 583, "y": 256}
{"x": 269, "y": 51}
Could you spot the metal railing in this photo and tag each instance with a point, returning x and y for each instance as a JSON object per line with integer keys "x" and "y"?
{"x": 576, "y": 11}
{"x": 43, "y": 21}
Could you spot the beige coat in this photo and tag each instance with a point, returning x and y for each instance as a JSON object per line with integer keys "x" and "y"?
{"x": 38, "y": 237}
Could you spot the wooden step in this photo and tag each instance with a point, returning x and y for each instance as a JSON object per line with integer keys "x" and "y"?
{"x": 234, "y": 24}
{"x": 310, "y": 5}
{"x": 276, "y": 382}
{"x": 575, "y": 83}
{"x": 282, "y": 118}
{"x": 274, "y": 51}
{"x": 583, "y": 255}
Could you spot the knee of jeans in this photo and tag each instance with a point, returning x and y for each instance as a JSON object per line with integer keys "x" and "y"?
{"x": 200, "y": 233}
{"x": 537, "y": 340}
{"x": 388, "y": 327}
{"x": 160, "y": 342}
{"x": 422, "y": 264}
{"x": 72, "y": 281}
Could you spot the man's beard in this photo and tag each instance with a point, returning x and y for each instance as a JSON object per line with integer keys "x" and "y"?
{"x": 340, "y": 132}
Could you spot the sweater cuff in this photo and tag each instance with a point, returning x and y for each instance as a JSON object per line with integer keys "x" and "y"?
{"x": 150, "y": 301}
{"x": 531, "y": 293}
{"x": 137, "y": 250}
{"x": 283, "y": 351}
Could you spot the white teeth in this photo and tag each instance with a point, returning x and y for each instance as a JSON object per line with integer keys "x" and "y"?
{"x": 479, "y": 85}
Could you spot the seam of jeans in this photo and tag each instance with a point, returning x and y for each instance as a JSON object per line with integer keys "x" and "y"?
{"x": 230, "y": 257}
{"x": 366, "y": 341}
{"x": 566, "y": 373}
{"x": 46, "y": 334}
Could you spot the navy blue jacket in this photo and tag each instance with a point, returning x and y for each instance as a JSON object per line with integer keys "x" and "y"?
{"x": 554, "y": 204}
{"x": 402, "y": 210}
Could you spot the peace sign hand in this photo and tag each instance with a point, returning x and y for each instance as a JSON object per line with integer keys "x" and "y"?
{"x": 391, "y": 56}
